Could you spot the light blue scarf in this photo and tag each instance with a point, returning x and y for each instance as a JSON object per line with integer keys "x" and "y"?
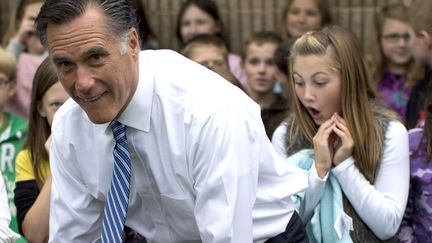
{"x": 329, "y": 212}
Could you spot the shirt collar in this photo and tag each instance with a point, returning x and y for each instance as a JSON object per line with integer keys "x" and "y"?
{"x": 138, "y": 112}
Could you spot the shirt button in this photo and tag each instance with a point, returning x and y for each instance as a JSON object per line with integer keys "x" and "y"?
{"x": 145, "y": 191}
{"x": 133, "y": 157}
{"x": 159, "y": 222}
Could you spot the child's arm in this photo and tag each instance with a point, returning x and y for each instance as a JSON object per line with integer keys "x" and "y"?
{"x": 35, "y": 225}
{"x": 380, "y": 205}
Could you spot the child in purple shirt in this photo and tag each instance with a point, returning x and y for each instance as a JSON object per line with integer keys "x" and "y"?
{"x": 417, "y": 223}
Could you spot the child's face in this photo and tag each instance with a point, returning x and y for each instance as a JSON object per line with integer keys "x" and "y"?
{"x": 317, "y": 86}
{"x": 259, "y": 67}
{"x": 394, "y": 41}
{"x": 302, "y": 16}
{"x": 195, "y": 22}
{"x": 209, "y": 56}
{"x": 34, "y": 46}
{"x": 7, "y": 89}
{"x": 53, "y": 98}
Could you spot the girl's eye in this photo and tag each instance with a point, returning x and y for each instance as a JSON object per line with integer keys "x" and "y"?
{"x": 320, "y": 83}
{"x": 298, "y": 81}
{"x": 311, "y": 13}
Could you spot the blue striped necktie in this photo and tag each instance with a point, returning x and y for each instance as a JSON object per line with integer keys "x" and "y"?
{"x": 118, "y": 196}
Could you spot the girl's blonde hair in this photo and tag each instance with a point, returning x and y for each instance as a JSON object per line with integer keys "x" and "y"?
{"x": 356, "y": 95}
{"x": 8, "y": 64}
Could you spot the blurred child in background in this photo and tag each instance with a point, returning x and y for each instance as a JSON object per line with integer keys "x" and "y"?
{"x": 417, "y": 223}
{"x": 211, "y": 52}
{"x": 394, "y": 71}
{"x": 29, "y": 53}
{"x": 202, "y": 17}
{"x": 33, "y": 178}
{"x": 301, "y": 16}
{"x": 260, "y": 69}
{"x": 13, "y": 129}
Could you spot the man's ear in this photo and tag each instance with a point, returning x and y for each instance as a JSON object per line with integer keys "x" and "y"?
{"x": 134, "y": 43}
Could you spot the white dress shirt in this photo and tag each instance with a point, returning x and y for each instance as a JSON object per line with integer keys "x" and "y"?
{"x": 381, "y": 205}
{"x": 202, "y": 167}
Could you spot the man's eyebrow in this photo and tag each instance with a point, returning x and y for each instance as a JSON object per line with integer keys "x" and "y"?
{"x": 97, "y": 50}
{"x": 59, "y": 59}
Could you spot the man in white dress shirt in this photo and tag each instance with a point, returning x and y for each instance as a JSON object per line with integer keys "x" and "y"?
{"x": 202, "y": 168}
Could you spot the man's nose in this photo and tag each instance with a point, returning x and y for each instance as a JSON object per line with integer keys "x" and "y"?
{"x": 84, "y": 80}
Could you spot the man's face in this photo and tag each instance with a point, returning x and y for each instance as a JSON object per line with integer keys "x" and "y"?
{"x": 90, "y": 66}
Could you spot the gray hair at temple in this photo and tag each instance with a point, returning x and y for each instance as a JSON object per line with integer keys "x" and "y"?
{"x": 120, "y": 17}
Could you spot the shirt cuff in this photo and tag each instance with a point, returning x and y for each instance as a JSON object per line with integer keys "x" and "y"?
{"x": 313, "y": 174}
{"x": 342, "y": 166}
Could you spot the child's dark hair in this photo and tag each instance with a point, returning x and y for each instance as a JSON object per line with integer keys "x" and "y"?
{"x": 205, "y": 40}
{"x": 208, "y": 6}
{"x": 260, "y": 38}
{"x": 39, "y": 129}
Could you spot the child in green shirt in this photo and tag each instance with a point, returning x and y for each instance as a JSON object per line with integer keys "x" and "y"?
{"x": 13, "y": 130}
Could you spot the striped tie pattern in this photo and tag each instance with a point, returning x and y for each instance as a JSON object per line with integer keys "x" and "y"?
{"x": 118, "y": 195}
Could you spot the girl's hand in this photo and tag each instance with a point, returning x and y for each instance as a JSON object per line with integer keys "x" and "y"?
{"x": 323, "y": 147}
{"x": 25, "y": 30}
{"x": 345, "y": 144}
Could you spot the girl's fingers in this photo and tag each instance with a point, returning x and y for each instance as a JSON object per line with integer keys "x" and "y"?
{"x": 342, "y": 127}
{"x": 338, "y": 118}
{"x": 344, "y": 136}
{"x": 326, "y": 125}
{"x": 340, "y": 133}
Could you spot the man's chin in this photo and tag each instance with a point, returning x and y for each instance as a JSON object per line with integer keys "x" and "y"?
{"x": 100, "y": 117}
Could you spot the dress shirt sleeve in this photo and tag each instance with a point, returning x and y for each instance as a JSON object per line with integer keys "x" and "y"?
{"x": 312, "y": 194}
{"x": 381, "y": 206}
{"x": 278, "y": 139}
{"x": 74, "y": 214}
{"x": 224, "y": 155}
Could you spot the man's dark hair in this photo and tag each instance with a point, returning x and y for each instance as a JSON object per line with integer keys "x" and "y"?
{"x": 119, "y": 13}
